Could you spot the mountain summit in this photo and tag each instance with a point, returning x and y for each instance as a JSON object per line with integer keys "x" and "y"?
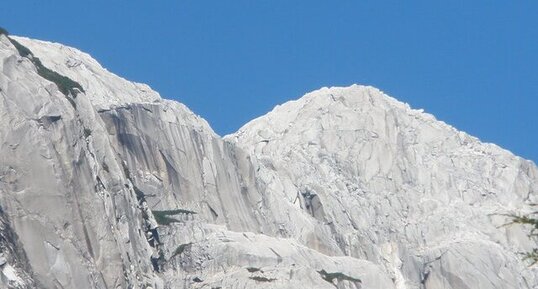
{"x": 104, "y": 184}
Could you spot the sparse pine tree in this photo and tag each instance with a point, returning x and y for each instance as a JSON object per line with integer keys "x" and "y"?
{"x": 529, "y": 220}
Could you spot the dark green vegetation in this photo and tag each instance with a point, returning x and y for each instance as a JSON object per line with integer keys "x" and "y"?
{"x": 532, "y": 221}
{"x": 65, "y": 84}
{"x": 162, "y": 217}
{"x": 23, "y": 50}
{"x": 3, "y": 31}
{"x": 532, "y": 256}
{"x": 180, "y": 249}
{"x": 253, "y": 269}
{"x": 262, "y": 279}
{"x": 87, "y": 132}
{"x": 339, "y": 276}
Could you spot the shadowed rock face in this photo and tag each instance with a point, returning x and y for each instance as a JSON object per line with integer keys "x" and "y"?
{"x": 343, "y": 188}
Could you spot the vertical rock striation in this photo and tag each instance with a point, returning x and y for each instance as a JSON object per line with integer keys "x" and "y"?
{"x": 343, "y": 188}
{"x": 395, "y": 186}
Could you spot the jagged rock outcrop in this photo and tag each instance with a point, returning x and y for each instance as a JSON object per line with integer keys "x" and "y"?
{"x": 395, "y": 186}
{"x": 345, "y": 188}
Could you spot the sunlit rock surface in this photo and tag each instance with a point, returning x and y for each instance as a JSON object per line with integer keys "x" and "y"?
{"x": 343, "y": 188}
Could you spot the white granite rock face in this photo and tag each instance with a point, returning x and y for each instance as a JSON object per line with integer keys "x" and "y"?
{"x": 396, "y": 187}
{"x": 343, "y": 188}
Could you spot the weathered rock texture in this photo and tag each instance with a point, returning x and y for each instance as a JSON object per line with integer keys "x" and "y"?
{"x": 343, "y": 188}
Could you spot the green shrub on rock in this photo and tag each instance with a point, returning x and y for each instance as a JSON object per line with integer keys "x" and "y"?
{"x": 3, "y": 31}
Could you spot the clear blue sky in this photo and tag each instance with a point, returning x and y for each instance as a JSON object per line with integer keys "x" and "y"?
{"x": 473, "y": 64}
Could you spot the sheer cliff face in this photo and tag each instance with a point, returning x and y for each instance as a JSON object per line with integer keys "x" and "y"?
{"x": 396, "y": 187}
{"x": 345, "y": 187}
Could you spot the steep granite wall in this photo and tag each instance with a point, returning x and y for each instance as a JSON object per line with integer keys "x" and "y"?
{"x": 345, "y": 188}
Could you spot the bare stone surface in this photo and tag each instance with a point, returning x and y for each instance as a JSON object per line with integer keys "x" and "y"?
{"x": 343, "y": 188}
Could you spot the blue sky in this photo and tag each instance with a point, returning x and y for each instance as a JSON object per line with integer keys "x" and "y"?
{"x": 473, "y": 64}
